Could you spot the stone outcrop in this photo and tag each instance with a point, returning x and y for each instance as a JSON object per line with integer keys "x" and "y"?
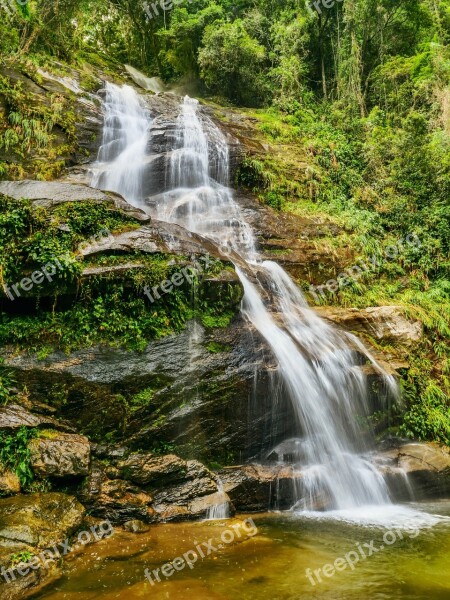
{"x": 40, "y": 87}
{"x": 13, "y": 416}
{"x": 49, "y": 194}
{"x": 416, "y": 471}
{"x": 383, "y": 323}
{"x": 38, "y": 520}
{"x": 150, "y": 488}
{"x": 210, "y": 392}
{"x": 60, "y": 455}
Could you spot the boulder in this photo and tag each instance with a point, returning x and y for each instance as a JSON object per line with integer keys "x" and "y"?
{"x": 115, "y": 499}
{"x": 136, "y": 526}
{"x": 38, "y": 520}
{"x": 258, "y": 488}
{"x": 202, "y": 507}
{"x": 60, "y": 455}
{"x": 148, "y": 469}
{"x": 14, "y": 586}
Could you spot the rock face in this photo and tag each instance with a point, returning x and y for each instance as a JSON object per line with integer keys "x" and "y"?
{"x": 60, "y": 455}
{"x": 150, "y": 488}
{"x": 385, "y": 323}
{"x": 14, "y": 416}
{"x": 40, "y": 88}
{"x": 417, "y": 471}
{"x": 207, "y": 391}
{"x": 38, "y": 520}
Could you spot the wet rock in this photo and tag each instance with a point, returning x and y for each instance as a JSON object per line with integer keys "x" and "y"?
{"x": 136, "y": 526}
{"x": 115, "y": 499}
{"x": 201, "y": 507}
{"x": 257, "y": 488}
{"x": 416, "y": 471}
{"x": 145, "y": 469}
{"x": 60, "y": 455}
{"x": 211, "y": 393}
{"x": 39, "y": 520}
{"x": 386, "y": 323}
{"x": 183, "y": 493}
{"x": 9, "y": 483}
{"x": 14, "y": 586}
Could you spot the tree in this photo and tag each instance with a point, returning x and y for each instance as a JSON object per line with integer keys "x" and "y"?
{"x": 231, "y": 63}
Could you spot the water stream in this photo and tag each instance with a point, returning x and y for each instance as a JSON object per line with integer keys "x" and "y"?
{"x": 318, "y": 364}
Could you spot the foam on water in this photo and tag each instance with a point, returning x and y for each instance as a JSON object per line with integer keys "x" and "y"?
{"x": 385, "y": 516}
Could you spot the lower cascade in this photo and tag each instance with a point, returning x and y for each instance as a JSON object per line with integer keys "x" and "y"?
{"x": 318, "y": 365}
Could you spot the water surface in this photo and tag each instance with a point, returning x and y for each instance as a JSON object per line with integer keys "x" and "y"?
{"x": 270, "y": 565}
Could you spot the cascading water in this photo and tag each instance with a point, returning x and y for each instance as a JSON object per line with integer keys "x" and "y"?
{"x": 318, "y": 367}
{"x": 121, "y": 158}
{"x": 318, "y": 364}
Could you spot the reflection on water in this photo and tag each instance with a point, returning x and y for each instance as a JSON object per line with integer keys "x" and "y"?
{"x": 268, "y": 566}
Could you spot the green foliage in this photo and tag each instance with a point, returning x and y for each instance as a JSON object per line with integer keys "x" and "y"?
{"x": 28, "y": 130}
{"x": 7, "y": 383}
{"x": 15, "y": 454}
{"x": 217, "y": 348}
{"x": 231, "y": 61}
{"x": 20, "y": 558}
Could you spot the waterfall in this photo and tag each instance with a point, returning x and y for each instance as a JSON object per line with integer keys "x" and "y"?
{"x": 318, "y": 364}
{"x": 121, "y": 158}
{"x": 221, "y": 510}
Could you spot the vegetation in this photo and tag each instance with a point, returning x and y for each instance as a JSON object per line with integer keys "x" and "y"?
{"x": 7, "y": 382}
{"x": 354, "y": 102}
{"x": 107, "y": 308}
{"x": 15, "y": 455}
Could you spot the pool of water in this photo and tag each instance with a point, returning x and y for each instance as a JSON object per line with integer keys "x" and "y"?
{"x": 282, "y": 557}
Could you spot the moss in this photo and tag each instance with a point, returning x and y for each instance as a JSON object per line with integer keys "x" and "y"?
{"x": 216, "y": 348}
{"x": 214, "y": 320}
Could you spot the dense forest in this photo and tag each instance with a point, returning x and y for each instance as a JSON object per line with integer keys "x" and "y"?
{"x": 359, "y": 90}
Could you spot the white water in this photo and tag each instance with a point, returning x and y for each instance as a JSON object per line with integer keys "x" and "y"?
{"x": 318, "y": 364}
{"x": 221, "y": 510}
{"x": 121, "y": 158}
